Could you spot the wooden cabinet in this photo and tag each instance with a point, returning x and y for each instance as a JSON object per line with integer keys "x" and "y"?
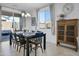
{"x": 67, "y": 32}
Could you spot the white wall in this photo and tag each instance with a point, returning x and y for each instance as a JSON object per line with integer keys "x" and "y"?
{"x": 59, "y": 10}
{"x": 28, "y": 23}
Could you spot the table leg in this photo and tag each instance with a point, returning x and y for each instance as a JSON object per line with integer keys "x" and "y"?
{"x": 10, "y": 40}
{"x": 27, "y": 52}
{"x": 24, "y": 50}
{"x": 44, "y": 44}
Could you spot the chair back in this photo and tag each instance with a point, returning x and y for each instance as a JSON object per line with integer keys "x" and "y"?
{"x": 15, "y": 37}
{"x": 21, "y": 39}
{"x": 39, "y": 36}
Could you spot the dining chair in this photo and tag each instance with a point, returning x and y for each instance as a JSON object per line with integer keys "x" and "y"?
{"x": 24, "y": 44}
{"x": 15, "y": 40}
{"x": 19, "y": 42}
{"x": 37, "y": 42}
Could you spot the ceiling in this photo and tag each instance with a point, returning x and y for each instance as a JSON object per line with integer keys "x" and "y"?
{"x": 24, "y": 6}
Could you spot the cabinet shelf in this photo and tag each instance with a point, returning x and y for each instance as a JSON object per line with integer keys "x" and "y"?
{"x": 71, "y": 36}
{"x": 70, "y": 30}
{"x": 60, "y": 35}
{"x": 60, "y": 30}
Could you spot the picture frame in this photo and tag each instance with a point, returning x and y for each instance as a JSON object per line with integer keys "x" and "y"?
{"x": 33, "y": 21}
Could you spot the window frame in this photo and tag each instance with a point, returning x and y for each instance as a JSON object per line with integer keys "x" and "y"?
{"x": 47, "y": 8}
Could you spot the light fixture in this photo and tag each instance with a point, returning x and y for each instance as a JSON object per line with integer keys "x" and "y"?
{"x": 27, "y": 15}
{"x": 23, "y": 14}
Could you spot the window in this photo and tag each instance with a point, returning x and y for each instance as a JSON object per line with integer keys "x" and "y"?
{"x": 8, "y": 22}
{"x": 44, "y": 18}
{"x": 17, "y": 23}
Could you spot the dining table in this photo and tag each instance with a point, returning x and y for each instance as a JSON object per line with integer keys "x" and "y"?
{"x": 29, "y": 35}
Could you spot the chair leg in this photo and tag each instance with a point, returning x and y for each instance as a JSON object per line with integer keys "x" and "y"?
{"x": 41, "y": 47}
{"x": 35, "y": 50}
{"x": 19, "y": 49}
{"x": 30, "y": 48}
{"x": 13, "y": 44}
{"x": 24, "y": 50}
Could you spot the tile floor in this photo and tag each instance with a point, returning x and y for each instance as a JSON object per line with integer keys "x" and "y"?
{"x": 51, "y": 50}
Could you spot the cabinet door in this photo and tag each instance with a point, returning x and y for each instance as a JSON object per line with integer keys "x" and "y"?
{"x": 61, "y": 33}
{"x": 70, "y": 34}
